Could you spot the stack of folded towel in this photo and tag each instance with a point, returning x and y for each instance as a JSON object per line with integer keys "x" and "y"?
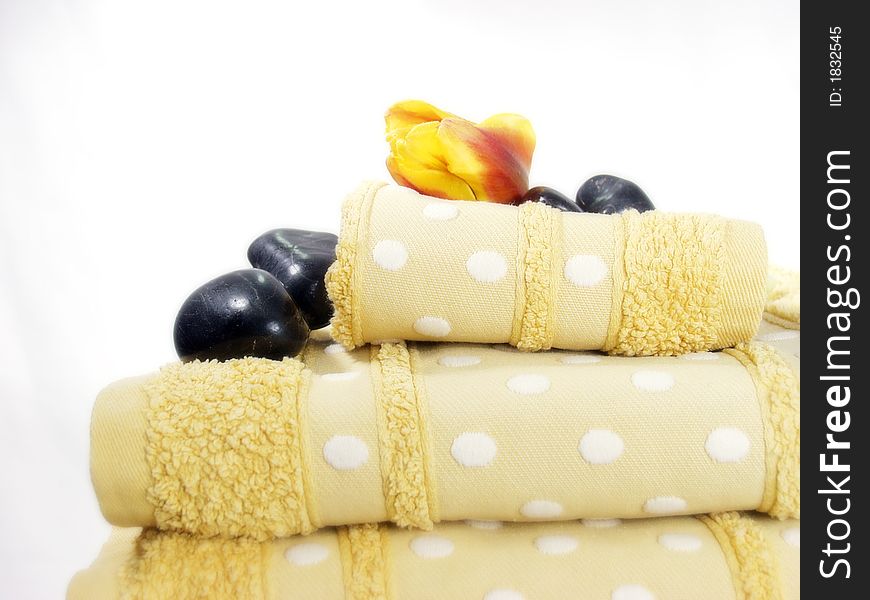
{"x": 537, "y": 384}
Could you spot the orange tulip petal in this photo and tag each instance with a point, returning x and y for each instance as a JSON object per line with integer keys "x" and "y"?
{"x": 516, "y": 133}
{"x": 482, "y": 161}
{"x": 440, "y": 154}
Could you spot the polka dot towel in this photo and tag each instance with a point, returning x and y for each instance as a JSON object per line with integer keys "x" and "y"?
{"x": 413, "y": 267}
{"x": 452, "y": 431}
{"x": 651, "y": 559}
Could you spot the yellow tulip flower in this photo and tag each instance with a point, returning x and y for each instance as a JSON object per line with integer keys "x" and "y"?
{"x": 442, "y": 155}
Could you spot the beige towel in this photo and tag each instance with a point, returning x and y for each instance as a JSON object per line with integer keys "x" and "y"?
{"x": 724, "y": 557}
{"x": 421, "y": 433}
{"x": 411, "y": 267}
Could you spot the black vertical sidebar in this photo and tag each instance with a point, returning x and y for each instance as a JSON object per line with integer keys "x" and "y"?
{"x": 834, "y": 357}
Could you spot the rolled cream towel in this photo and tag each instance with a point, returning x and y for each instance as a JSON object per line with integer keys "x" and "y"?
{"x": 411, "y": 267}
{"x": 783, "y": 305}
{"x": 723, "y": 557}
{"x": 421, "y": 433}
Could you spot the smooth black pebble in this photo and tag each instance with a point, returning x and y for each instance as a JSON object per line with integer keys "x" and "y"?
{"x": 243, "y": 313}
{"x": 550, "y": 197}
{"x": 299, "y": 259}
{"x": 608, "y": 194}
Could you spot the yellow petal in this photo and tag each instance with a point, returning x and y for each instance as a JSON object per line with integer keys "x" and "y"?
{"x": 431, "y": 182}
{"x": 408, "y": 113}
{"x": 421, "y": 144}
{"x": 416, "y": 162}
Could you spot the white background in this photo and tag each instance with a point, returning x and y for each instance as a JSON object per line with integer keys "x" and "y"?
{"x": 144, "y": 144}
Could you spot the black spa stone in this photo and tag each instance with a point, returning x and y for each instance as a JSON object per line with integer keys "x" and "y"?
{"x": 609, "y": 194}
{"x": 550, "y": 197}
{"x": 243, "y": 313}
{"x": 299, "y": 259}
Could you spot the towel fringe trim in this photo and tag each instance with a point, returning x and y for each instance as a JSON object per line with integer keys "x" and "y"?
{"x": 778, "y": 388}
{"x": 340, "y": 277}
{"x": 402, "y": 437}
{"x": 673, "y": 271}
{"x": 364, "y": 559}
{"x": 218, "y": 431}
{"x": 540, "y": 228}
{"x": 752, "y": 563}
{"x": 178, "y": 565}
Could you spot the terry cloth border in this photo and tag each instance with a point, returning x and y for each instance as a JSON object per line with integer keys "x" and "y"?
{"x": 364, "y": 561}
{"x": 778, "y": 389}
{"x": 402, "y": 435}
{"x": 220, "y": 431}
{"x": 673, "y": 271}
{"x": 340, "y": 284}
{"x": 752, "y": 564}
{"x": 178, "y": 565}
{"x": 539, "y": 232}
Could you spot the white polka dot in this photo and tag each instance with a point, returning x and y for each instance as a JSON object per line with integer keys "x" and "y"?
{"x": 602, "y": 523}
{"x": 652, "y": 381}
{"x": 601, "y": 446}
{"x": 390, "y": 254}
{"x": 440, "y": 211}
{"x": 778, "y": 336}
{"x": 459, "y": 360}
{"x": 792, "y": 536}
{"x": 345, "y": 452}
{"x": 335, "y": 349}
{"x": 727, "y": 444}
{"x": 579, "y": 359}
{"x": 306, "y": 554}
{"x": 632, "y": 592}
{"x": 432, "y": 326}
{"x": 346, "y": 376}
{"x": 585, "y": 270}
{"x": 556, "y": 544}
{"x": 473, "y": 449}
{"x": 431, "y": 546}
{"x": 486, "y": 266}
{"x": 664, "y": 505}
{"x": 541, "y": 509}
{"x": 489, "y": 525}
{"x": 680, "y": 542}
{"x": 700, "y": 356}
{"x": 503, "y": 594}
{"x": 528, "y": 384}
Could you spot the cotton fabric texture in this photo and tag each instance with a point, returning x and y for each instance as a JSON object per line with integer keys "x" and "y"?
{"x": 421, "y": 433}
{"x": 726, "y": 556}
{"x": 412, "y": 267}
{"x": 419, "y": 469}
